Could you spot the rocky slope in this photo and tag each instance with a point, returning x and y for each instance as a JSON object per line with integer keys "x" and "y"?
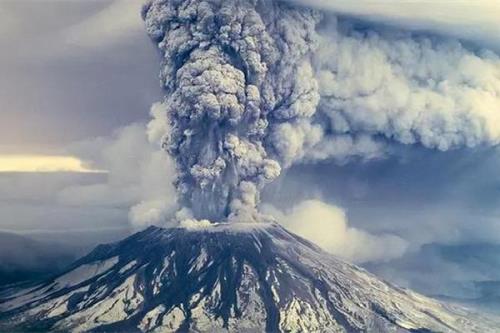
{"x": 240, "y": 277}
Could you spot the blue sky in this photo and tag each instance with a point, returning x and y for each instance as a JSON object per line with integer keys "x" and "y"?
{"x": 76, "y": 82}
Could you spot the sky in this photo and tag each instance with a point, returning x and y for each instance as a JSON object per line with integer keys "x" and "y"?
{"x": 76, "y": 92}
{"x": 80, "y": 74}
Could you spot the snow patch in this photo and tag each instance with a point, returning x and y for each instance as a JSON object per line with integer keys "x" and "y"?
{"x": 172, "y": 321}
{"x": 84, "y": 273}
{"x": 128, "y": 266}
{"x": 150, "y": 320}
{"x": 199, "y": 262}
{"x": 123, "y": 301}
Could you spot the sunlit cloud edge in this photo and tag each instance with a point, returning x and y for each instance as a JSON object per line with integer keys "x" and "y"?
{"x": 28, "y": 163}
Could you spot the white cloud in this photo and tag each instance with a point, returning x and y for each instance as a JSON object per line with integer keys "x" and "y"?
{"x": 140, "y": 176}
{"x": 327, "y": 226}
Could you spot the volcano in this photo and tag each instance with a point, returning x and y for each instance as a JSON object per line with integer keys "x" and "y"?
{"x": 236, "y": 277}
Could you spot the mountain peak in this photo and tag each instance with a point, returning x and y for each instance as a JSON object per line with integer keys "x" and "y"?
{"x": 236, "y": 277}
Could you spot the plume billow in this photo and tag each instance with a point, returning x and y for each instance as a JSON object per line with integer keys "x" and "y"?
{"x": 253, "y": 87}
{"x": 233, "y": 72}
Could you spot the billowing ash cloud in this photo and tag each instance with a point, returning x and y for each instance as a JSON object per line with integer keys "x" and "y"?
{"x": 412, "y": 89}
{"x": 232, "y": 71}
{"x": 254, "y": 86}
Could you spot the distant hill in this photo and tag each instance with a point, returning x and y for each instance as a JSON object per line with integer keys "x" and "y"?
{"x": 462, "y": 273}
{"x": 22, "y": 258}
{"x": 43, "y": 254}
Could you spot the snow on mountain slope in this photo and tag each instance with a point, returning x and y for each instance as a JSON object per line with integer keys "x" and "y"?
{"x": 250, "y": 278}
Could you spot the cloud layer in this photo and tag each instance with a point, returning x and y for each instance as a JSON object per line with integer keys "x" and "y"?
{"x": 137, "y": 187}
{"x": 475, "y": 20}
{"x": 84, "y": 68}
{"x": 140, "y": 176}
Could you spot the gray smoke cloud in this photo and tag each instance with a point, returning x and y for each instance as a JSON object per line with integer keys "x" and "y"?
{"x": 232, "y": 70}
{"x": 254, "y": 86}
{"x": 411, "y": 89}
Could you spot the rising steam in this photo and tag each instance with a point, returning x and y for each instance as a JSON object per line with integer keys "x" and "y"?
{"x": 254, "y": 86}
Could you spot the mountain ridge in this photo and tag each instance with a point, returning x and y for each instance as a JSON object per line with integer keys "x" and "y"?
{"x": 243, "y": 277}
{"x": 23, "y": 258}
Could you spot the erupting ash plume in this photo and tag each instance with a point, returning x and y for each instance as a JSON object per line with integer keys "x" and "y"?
{"x": 254, "y": 86}
{"x": 231, "y": 70}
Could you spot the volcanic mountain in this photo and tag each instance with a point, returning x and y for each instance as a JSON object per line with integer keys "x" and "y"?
{"x": 235, "y": 277}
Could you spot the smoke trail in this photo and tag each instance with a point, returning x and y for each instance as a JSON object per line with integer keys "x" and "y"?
{"x": 254, "y": 86}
